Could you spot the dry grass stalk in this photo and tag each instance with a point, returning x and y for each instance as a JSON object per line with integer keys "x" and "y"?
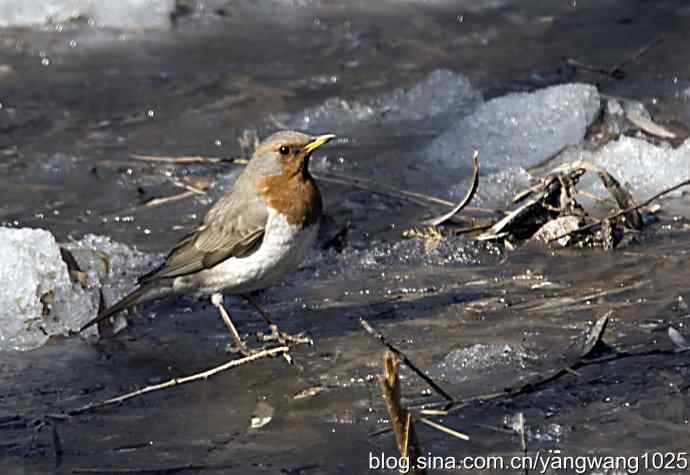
{"x": 400, "y": 418}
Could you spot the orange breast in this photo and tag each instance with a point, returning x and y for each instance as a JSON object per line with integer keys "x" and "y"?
{"x": 296, "y": 196}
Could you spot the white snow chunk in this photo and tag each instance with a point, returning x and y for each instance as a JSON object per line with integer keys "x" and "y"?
{"x": 519, "y": 130}
{"x": 37, "y": 298}
{"x": 129, "y": 14}
{"x": 442, "y": 93}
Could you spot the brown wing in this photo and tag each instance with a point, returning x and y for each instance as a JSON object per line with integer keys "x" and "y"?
{"x": 232, "y": 228}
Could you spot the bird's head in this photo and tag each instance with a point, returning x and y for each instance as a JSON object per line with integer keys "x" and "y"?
{"x": 286, "y": 153}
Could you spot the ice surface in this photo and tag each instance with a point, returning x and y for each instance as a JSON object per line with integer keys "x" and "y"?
{"x": 110, "y": 266}
{"x": 465, "y": 363}
{"x": 441, "y": 94}
{"x": 108, "y": 13}
{"x": 37, "y": 298}
{"x": 643, "y": 167}
{"x": 496, "y": 190}
{"x": 519, "y": 130}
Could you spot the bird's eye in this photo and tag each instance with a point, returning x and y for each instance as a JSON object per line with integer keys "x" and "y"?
{"x": 284, "y": 150}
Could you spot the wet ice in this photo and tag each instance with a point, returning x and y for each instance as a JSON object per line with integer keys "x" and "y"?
{"x": 519, "y": 130}
{"x": 465, "y": 363}
{"x": 644, "y": 168}
{"x": 512, "y": 133}
{"x": 442, "y": 95}
{"x": 117, "y": 14}
{"x": 38, "y": 299}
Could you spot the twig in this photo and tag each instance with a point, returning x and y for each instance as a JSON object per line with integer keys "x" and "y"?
{"x": 546, "y": 378}
{"x": 155, "y": 203}
{"x": 617, "y": 70}
{"x": 587, "y": 67}
{"x": 339, "y": 178}
{"x": 622, "y": 212}
{"x": 57, "y": 443}
{"x": 592, "y": 196}
{"x": 185, "y": 160}
{"x": 433, "y": 412}
{"x": 495, "y": 429}
{"x": 392, "y": 192}
{"x": 566, "y": 302}
{"x": 152, "y": 470}
{"x": 379, "y": 336}
{"x": 444, "y": 429}
{"x": 400, "y": 418}
{"x": 465, "y": 201}
{"x": 470, "y": 229}
{"x": 270, "y": 352}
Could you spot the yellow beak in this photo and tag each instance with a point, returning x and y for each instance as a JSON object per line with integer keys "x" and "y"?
{"x": 317, "y": 142}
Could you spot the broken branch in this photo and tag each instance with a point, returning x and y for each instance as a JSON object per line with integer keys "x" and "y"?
{"x": 379, "y": 336}
{"x": 270, "y": 352}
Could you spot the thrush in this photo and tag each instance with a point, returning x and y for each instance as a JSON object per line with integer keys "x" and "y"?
{"x": 260, "y": 230}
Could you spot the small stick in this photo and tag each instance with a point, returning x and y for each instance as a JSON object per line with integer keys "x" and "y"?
{"x": 405, "y": 436}
{"x": 616, "y": 72}
{"x": 184, "y": 160}
{"x": 393, "y": 192}
{"x": 270, "y": 352}
{"x": 379, "y": 336}
{"x": 155, "y": 203}
{"x": 341, "y": 179}
{"x": 465, "y": 201}
{"x": 433, "y": 412}
{"x": 495, "y": 429}
{"x": 637, "y": 55}
{"x": 152, "y": 470}
{"x": 587, "y": 67}
{"x": 592, "y": 196}
{"x": 471, "y": 229}
{"x": 624, "y": 211}
{"x": 444, "y": 429}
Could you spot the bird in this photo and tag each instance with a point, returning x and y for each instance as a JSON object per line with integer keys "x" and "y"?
{"x": 256, "y": 233}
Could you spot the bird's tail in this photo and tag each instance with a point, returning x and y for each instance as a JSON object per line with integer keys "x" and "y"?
{"x": 123, "y": 304}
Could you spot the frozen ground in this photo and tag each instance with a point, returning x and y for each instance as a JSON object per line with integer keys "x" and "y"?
{"x": 429, "y": 104}
{"x": 78, "y": 114}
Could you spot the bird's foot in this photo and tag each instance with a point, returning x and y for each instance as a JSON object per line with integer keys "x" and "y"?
{"x": 244, "y": 350}
{"x": 239, "y": 347}
{"x": 284, "y": 338}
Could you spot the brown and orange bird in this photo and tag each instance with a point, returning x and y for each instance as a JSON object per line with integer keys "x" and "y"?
{"x": 257, "y": 232}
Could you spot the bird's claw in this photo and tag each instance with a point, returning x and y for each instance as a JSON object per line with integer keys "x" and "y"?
{"x": 240, "y": 348}
{"x": 284, "y": 338}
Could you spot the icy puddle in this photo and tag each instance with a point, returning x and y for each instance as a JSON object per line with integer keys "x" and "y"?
{"x": 92, "y": 119}
{"x": 476, "y": 327}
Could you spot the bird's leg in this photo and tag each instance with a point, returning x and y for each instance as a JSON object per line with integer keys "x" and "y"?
{"x": 217, "y": 301}
{"x": 276, "y": 334}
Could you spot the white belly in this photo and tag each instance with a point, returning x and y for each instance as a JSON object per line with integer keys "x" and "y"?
{"x": 282, "y": 250}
